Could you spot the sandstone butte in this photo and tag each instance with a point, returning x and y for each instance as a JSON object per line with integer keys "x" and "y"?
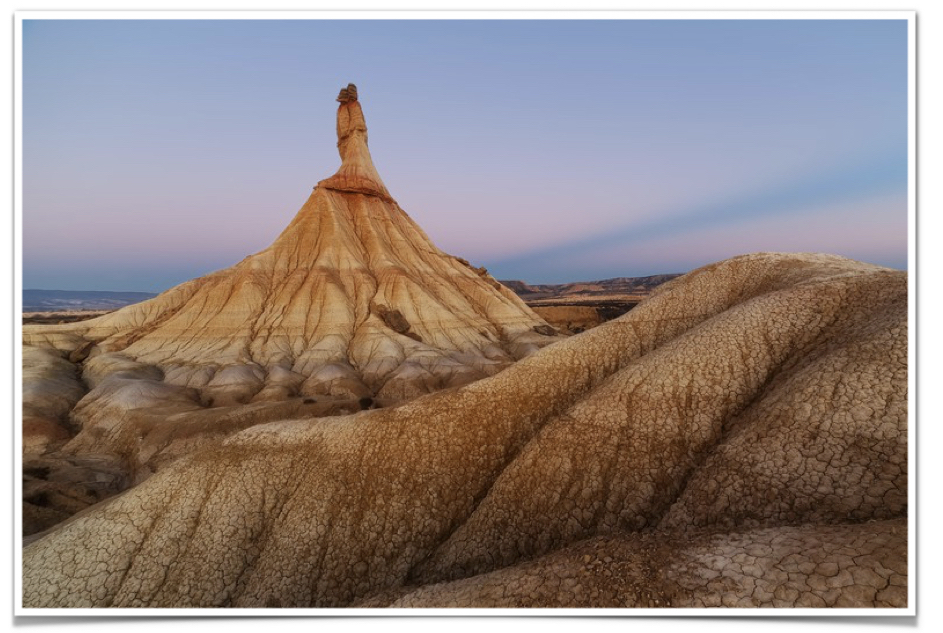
{"x": 352, "y": 302}
{"x": 739, "y": 439}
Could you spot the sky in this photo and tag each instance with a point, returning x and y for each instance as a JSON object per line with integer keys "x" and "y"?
{"x": 156, "y": 151}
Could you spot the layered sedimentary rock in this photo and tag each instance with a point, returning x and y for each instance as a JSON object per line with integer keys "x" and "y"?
{"x": 350, "y": 307}
{"x": 738, "y": 439}
{"x": 573, "y": 319}
{"x": 309, "y": 313}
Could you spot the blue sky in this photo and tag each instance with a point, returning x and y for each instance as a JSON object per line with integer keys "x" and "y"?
{"x": 550, "y": 151}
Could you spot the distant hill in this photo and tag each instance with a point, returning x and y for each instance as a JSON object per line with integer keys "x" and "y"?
{"x": 604, "y": 288}
{"x": 35, "y": 300}
{"x": 581, "y": 305}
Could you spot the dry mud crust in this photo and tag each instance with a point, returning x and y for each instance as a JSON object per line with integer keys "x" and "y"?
{"x": 855, "y": 565}
{"x": 759, "y": 393}
{"x": 350, "y": 307}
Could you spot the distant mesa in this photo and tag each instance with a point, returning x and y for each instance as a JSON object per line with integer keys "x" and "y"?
{"x": 35, "y": 300}
{"x": 579, "y": 306}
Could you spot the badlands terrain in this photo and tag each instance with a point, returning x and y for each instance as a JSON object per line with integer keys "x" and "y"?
{"x": 353, "y": 418}
{"x": 575, "y": 307}
{"x": 570, "y": 308}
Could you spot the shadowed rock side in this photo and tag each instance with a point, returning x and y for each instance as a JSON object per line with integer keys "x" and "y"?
{"x": 753, "y": 411}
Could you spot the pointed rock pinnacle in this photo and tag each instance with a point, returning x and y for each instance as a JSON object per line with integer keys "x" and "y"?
{"x": 357, "y": 173}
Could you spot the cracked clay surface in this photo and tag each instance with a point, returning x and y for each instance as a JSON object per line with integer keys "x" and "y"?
{"x": 738, "y": 439}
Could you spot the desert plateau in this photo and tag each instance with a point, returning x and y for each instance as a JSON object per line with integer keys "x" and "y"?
{"x": 352, "y": 417}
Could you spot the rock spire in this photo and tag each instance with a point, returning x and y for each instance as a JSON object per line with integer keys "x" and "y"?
{"x": 357, "y": 173}
{"x": 351, "y": 300}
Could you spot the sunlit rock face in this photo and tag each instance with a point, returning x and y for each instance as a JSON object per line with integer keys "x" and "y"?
{"x": 352, "y": 306}
{"x": 310, "y": 314}
{"x": 738, "y": 439}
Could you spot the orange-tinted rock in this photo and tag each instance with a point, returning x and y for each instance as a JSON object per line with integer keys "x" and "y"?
{"x": 310, "y": 301}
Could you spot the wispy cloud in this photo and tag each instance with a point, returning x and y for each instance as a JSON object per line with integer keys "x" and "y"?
{"x": 858, "y": 181}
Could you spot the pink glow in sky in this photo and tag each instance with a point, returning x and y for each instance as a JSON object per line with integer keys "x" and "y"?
{"x": 550, "y": 151}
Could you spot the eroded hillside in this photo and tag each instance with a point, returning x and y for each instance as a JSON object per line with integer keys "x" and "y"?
{"x": 351, "y": 301}
{"x": 739, "y": 438}
{"x": 352, "y": 307}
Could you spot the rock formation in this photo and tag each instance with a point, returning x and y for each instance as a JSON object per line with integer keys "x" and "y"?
{"x": 351, "y": 302}
{"x": 306, "y": 313}
{"x": 347, "y": 94}
{"x": 738, "y": 439}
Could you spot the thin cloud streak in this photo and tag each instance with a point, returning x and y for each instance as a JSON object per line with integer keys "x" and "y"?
{"x": 860, "y": 224}
{"x": 791, "y": 199}
{"x": 169, "y": 148}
